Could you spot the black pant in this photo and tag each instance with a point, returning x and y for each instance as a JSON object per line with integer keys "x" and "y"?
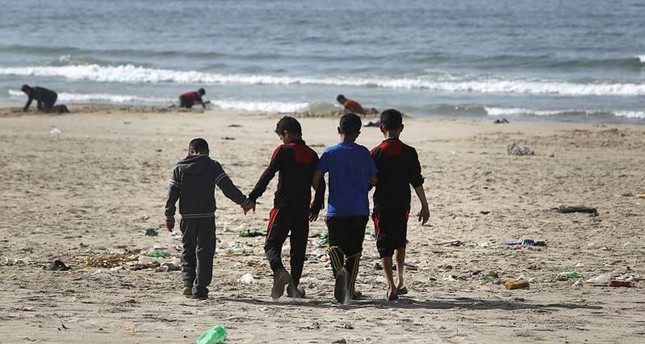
{"x": 347, "y": 233}
{"x": 281, "y": 222}
{"x": 198, "y": 250}
{"x": 185, "y": 102}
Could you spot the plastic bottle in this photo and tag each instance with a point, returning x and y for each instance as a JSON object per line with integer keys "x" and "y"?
{"x": 215, "y": 335}
{"x": 568, "y": 274}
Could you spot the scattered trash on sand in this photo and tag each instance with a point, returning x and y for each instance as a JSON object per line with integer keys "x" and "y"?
{"x": 151, "y": 232}
{"x": 566, "y": 209}
{"x": 501, "y": 121}
{"x": 56, "y": 265}
{"x": 214, "y": 335}
{"x": 516, "y": 284}
{"x": 247, "y": 233}
{"x": 235, "y": 248}
{"x": 515, "y": 149}
{"x": 247, "y": 278}
{"x": 626, "y": 284}
{"x": 565, "y": 275}
{"x": 450, "y": 243}
{"x": 527, "y": 242}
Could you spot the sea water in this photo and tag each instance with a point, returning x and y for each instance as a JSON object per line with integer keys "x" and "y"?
{"x": 577, "y": 60}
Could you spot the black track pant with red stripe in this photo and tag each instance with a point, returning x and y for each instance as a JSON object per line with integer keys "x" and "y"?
{"x": 281, "y": 222}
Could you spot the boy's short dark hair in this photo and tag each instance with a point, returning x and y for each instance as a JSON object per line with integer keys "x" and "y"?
{"x": 391, "y": 119}
{"x": 201, "y": 91}
{"x": 340, "y": 98}
{"x": 199, "y": 146}
{"x": 350, "y": 124}
{"x": 25, "y": 88}
{"x": 289, "y": 124}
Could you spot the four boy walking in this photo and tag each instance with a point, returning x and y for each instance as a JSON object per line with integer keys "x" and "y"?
{"x": 392, "y": 167}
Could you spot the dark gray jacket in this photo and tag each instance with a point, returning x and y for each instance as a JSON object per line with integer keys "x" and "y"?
{"x": 193, "y": 184}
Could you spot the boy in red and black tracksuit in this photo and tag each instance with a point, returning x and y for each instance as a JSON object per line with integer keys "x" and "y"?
{"x": 292, "y": 211}
{"x": 398, "y": 168}
{"x": 188, "y": 99}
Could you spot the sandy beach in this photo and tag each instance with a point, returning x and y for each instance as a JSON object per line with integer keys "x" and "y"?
{"x": 85, "y": 187}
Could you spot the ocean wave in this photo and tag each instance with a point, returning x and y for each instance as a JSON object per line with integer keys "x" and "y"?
{"x": 499, "y": 112}
{"x": 77, "y": 60}
{"x": 283, "y": 107}
{"x": 100, "y": 98}
{"x": 243, "y": 105}
{"x": 465, "y": 84}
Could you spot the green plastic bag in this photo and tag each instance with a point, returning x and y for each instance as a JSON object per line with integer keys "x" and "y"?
{"x": 215, "y": 335}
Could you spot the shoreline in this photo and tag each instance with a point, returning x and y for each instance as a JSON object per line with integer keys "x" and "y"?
{"x": 10, "y": 109}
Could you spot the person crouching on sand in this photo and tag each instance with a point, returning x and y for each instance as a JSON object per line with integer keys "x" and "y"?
{"x": 45, "y": 99}
{"x": 188, "y": 99}
{"x": 350, "y": 105}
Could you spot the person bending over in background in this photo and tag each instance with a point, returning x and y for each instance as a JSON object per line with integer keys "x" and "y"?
{"x": 188, "y": 99}
{"x": 45, "y": 99}
{"x": 350, "y": 105}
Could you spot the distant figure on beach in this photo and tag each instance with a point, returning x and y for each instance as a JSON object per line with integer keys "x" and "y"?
{"x": 398, "y": 169}
{"x": 45, "y": 99}
{"x": 351, "y": 170}
{"x": 188, "y": 99}
{"x": 193, "y": 183}
{"x": 293, "y": 208}
{"x": 350, "y": 105}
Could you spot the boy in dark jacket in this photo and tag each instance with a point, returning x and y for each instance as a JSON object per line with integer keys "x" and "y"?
{"x": 45, "y": 99}
{"x": 193, "y": 184}
{"x": 398, "y": 169}
{"x": 292, "y": 211}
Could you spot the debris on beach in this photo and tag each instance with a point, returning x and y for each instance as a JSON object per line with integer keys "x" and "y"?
{"x": 515, "y": 149}
{"x": 247, "y": 233}
{"x": 526, "y": 242}
{"x": 56, "y": 265}
{"x": 151, "y": 232}
{"x": 565, "y": 275}
{"x": 247, "y": 278}
{"x": 501, "y": 121}
{"x": 516, "y": 284}
{"x": 566, "y": 209}
{"x": 450, "y": 243}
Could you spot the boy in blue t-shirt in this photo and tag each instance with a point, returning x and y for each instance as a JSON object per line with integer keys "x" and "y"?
{"x": 351, "y": 169}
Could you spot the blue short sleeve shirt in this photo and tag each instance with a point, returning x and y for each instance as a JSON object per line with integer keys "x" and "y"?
{"x": 350, "y": 166}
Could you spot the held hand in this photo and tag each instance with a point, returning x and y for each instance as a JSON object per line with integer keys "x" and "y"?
{"x": 249, "y": 206}
{"x": 424, "y": 215}
{"x": 313, "y": 215}
{"x": 170, "y": 225}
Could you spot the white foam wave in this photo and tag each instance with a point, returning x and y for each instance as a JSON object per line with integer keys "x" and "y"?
{"x": 495, "y": 111}
{"x": 630, "y": 114}
{"x": 261, "y": 106}
{"x": 641, "y": 58}
{"x": 274, "y": 106}
{"x": 136, "y": 74}
{"x": 100, "y": 97}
